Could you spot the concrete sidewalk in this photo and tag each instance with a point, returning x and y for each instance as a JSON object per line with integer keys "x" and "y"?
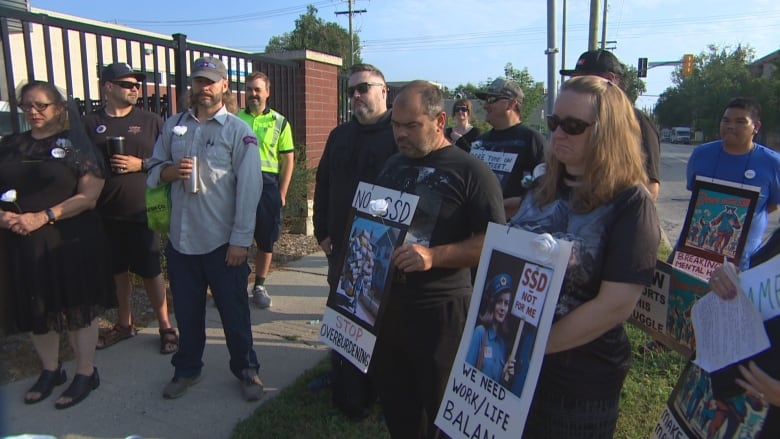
{"x": 129, "y": 400}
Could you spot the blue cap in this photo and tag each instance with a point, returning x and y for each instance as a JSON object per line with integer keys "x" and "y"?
{"x": 499, "y": 285}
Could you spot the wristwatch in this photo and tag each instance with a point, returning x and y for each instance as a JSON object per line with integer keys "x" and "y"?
{"x": 50, "y": 216}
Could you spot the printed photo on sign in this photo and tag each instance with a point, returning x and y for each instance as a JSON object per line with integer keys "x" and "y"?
{"x": 716, "y": 225}
{"x": 700, "y": 415}
{"x": 499, "y": 333}
{"x": 366, "y": 269}
{"x": 493, "y": 378}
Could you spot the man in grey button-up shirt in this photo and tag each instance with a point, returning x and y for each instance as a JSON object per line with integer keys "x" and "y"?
{"x": 211, "y": 229}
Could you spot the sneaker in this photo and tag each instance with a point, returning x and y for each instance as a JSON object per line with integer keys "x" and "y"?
{"x": 178, "y": 386}
{"x": 251, "y": 385}
{"x": 260, "y": 297}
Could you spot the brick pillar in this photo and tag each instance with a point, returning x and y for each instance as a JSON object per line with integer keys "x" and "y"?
{"x": 316, "y": 90}
{"x": 316, "y": 114}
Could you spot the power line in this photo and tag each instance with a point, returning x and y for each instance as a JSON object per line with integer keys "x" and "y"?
{"x": 290, "y": 10}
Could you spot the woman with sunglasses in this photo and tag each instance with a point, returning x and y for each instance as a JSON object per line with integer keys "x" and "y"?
{"x": 58, "y": 276}
{"x": 593, "y": 194}
{"x": 463, "y": 133}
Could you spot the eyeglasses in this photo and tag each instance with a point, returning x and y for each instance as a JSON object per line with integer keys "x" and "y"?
{"x": 570, "y": 125}
{"x": 494, "y": 99}
{"x": 362, "y": 88}
{"x": 128, "y": 85}
{"x": 39, "y": 107}
{"x": 461, "y": 109}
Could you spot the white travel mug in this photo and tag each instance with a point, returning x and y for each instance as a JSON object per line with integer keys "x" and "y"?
{"x": 192, "y": 184}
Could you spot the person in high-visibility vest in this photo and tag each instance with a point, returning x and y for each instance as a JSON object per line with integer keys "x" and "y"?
{"x": 277, "y": 157}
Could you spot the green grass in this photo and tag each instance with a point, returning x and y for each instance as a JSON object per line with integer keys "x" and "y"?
{"x": 299, "y": 413}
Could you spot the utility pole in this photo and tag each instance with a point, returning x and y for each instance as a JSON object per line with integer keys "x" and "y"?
{"x": 593, "y": 26}
{"x": 604, "y": 27}
{"x": 351, "y": 12}
{"x": 551, "y": 52}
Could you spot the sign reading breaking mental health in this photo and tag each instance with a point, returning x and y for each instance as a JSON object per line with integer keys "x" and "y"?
{"x": 716, "y": 226}
{"x": 493, "y": 378}
{"x": 379, "y": 222}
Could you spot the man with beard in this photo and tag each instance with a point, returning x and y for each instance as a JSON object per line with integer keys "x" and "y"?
{"x": 425, "y": 311}
{"x": 355, "y": 151}
{"x": 511, "y": 149}
{"x": 277, "y": 158}
{"x": 121, "y": 204}
{"x": 210, "y": 159}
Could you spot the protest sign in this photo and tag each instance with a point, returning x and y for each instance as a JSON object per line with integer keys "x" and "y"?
{"x": 494, "y": 375}
{"x": 716, "y": 225}
{"x": 379, "y": 222}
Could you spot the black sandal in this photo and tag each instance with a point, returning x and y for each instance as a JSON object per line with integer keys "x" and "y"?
{"x": 46, "y": 383}
{"x": 79, "y": 389}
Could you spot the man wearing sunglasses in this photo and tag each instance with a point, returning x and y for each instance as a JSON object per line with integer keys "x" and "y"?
{"x": 355, "y": 151}
{"x": 134, "y": 247}
{"x": 511, "y": 149}
{"x": 604, "y": 64}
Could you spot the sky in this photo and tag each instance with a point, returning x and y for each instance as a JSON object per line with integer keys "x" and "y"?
{"x": 454, "y": 42}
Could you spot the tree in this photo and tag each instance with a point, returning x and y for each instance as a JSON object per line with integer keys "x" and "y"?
{"x": 313, "y": 33}
{"x": 719, "y": 75}
{"x": 632, "y": 84}
{"x": 533, "y": 90}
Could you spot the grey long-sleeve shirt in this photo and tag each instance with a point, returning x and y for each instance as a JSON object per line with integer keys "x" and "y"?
{"x": 224, "y": 209}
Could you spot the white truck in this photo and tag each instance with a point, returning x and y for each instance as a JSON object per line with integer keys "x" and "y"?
{"x": 681, "y": 135}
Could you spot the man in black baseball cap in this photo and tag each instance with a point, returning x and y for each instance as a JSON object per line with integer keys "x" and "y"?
{"x": 120, "y": 70}
{"x": 606, "y": 65}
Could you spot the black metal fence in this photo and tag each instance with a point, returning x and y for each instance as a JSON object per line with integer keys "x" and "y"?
{"x": 70, "y": 54}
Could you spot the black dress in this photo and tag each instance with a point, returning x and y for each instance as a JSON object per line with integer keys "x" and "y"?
{"x": 464, "y": 141}
{"x": 58, "y": 277}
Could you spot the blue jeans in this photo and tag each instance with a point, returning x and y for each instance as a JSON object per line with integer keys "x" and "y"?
{"x": 189, "y": 276}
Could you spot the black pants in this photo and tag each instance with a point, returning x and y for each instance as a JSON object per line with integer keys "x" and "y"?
{"x": 412, "y": 359}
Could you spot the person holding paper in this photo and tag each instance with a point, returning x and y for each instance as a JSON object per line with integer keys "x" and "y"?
{"x": 755, "y": 380}
{"x": 593, "y": 194}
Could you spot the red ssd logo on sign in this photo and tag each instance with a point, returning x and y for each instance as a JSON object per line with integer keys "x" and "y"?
{"x": 531, "y": 293}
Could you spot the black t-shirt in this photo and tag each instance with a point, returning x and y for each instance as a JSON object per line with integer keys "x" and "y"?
{"x": 458, "y": 197}
{"x": 464, "y": 141}
{"x": 651, "y": 146}
{"x": 511, "y": 154}
{"x": 615, "y": 242}
{"x": 123, "y": 194}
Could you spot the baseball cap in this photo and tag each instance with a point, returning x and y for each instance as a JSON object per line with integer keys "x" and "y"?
{"x": 210, "y": 68}
{"x": 596, "y": 62}
{"x": 502, "y": 87}
{"x": 119, "y": 70}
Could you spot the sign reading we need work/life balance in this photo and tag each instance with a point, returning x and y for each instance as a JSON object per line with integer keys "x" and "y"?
{"x": 378, "y": 224}
{"x": 492, "y": 380}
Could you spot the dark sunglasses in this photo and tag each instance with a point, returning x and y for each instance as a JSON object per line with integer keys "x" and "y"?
{"x": 39, "y": 107}
{"x": 494, "y": 99}
{"x": 362, "y": 88}
{"x": 460, "y": 109}
{"x": 128, "y": 85}
{"x": 570, "y": 125}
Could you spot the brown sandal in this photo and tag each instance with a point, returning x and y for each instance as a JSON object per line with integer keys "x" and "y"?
{"x": 110, "y": 337}
{"x": 169, "y": 341}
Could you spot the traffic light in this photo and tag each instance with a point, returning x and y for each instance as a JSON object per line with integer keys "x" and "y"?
{"x": 642, "y": 68}
{"x": 687, "y": 65}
